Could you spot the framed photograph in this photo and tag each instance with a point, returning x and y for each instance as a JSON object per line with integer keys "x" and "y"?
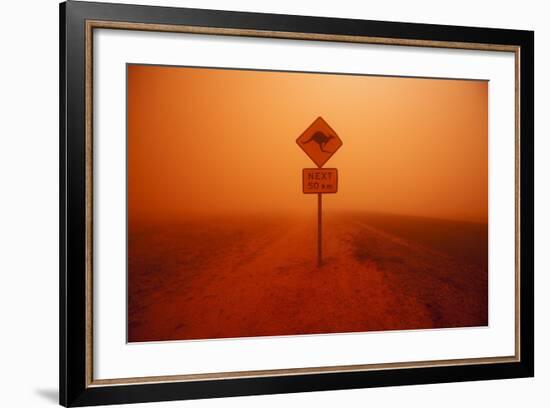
{"x": 256, "y": 203}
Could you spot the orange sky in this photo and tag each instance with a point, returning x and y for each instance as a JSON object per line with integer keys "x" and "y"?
{"x": 218, "y": 141}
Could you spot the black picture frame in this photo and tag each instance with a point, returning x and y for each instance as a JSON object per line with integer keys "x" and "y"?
{"x": 75, "y": 387}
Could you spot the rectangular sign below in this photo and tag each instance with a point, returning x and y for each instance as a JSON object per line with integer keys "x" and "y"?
{"x": 319, "y": 181}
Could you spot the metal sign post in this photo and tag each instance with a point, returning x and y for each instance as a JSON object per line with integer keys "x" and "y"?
{"x": 319, "y": 229}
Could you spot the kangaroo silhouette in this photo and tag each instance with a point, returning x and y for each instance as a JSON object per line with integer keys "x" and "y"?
{"x": 321, "y": 139}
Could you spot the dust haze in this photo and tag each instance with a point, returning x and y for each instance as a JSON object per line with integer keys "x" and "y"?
{"x": 215, "y": 141}
{"x": 223, "y": 243}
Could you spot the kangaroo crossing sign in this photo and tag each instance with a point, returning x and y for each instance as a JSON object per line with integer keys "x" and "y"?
{"x": 319, "y": 141}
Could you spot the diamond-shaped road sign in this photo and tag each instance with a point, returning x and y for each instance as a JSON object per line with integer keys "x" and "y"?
{"x": 319, "y": 141}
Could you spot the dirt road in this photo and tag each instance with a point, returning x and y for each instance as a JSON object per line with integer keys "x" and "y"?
{"x": 229, "y": 277}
